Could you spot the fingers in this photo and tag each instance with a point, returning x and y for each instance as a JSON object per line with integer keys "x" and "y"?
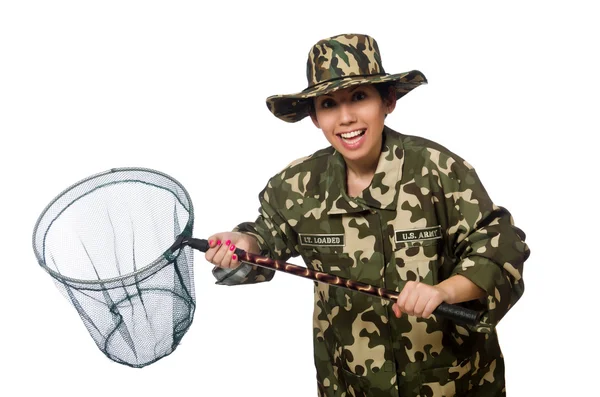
{"x": 417, "y": 299}
{"x": 396, "y": 310}
{"x": 411, "y": 300}
{"x": 221, "y": 251}
{"x": 430, "y": 307}
{"x": 406, "y": 291}
{"x": 214, "y": 242}
{"x": 224, "y": 256}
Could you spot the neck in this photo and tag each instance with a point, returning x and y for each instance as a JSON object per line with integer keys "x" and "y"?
{"x": 362, "y": 169}
{"x": 366, "y": 166}
{"x": 359, "y": 173}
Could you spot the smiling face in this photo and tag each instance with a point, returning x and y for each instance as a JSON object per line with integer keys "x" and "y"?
{"x": 352, "y": 121}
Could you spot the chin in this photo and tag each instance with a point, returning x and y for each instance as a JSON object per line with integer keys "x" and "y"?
{"x": 353, "y": 155}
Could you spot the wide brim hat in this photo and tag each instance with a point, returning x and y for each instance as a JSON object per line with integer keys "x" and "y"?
{"x": 336, "y": 63}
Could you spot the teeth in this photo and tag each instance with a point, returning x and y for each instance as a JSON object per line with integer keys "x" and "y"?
{"x": 350, "y": 135}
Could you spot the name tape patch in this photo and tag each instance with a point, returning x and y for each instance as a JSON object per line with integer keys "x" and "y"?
{"x": 428, "y": 233}
{"x": 322, "y": 240}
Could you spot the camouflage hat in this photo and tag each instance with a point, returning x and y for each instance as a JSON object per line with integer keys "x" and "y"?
{"x": 340, "y": 62}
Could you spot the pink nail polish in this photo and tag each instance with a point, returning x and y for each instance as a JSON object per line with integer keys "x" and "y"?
{"x": 218, "y": 242}
{"x": 210, "y": 242}
{"x": 234, "y": 257}
{"x": 227, "y": 242}
{"x": 231, "y": 247}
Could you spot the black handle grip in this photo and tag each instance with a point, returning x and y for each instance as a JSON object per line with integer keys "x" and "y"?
{"x": 457, "y": 313}
{"x": 196, "y": 243}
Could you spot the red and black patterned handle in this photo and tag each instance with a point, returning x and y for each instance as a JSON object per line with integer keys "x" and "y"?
{"x": 452, "y": 312}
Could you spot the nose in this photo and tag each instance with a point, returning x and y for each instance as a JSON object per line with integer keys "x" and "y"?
{"x": 347, "y": 115}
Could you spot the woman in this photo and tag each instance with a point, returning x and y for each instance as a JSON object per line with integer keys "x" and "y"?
{"x": 395, "y": 211}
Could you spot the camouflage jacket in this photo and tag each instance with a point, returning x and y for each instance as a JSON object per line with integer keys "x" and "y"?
{"x": 425, "y": 217}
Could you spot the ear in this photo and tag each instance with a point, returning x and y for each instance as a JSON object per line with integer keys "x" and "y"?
{"x": 313, "y": 117}
{"x": 390, "y": 102}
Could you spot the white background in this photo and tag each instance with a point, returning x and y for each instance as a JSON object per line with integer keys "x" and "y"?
{"x": 179, "y": 87}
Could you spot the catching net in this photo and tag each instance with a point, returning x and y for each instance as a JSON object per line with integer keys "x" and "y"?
{"x": 106, "y": 241}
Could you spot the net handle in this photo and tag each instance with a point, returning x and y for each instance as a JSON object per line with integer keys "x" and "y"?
{"x": 455, "y": 313}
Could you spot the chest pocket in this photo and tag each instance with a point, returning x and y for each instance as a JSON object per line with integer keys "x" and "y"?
{"x": 334, "y": 263}
{"x": 418, "y": 260}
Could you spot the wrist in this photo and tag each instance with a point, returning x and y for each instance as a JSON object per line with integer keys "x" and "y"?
{"x": 448, "y": 292}
{"x": 459, "y": 288}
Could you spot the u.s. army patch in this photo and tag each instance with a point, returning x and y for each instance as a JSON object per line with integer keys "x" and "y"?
{"x": 428, "y": 233}
{"x": 321, "y": 240}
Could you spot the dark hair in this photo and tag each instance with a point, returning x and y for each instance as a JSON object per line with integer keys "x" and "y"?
{"x": 382, "y": 88}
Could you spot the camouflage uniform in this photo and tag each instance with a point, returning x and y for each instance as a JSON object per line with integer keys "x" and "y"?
{"x": 425, "y": 217}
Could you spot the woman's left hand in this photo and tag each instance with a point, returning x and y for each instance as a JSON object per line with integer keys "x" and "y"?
{"x": 418, "y": 299}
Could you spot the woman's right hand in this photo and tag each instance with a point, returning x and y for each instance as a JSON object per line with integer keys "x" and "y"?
{"x": 222, "y": 247}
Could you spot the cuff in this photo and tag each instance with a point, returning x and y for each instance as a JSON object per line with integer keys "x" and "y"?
{"x": 231, "y": 276}
{"x": 491, "y": 278}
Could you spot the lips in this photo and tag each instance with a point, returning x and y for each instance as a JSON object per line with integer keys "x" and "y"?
{"x": 352, "y": 139}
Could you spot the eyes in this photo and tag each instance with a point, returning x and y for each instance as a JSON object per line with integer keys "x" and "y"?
{"x": 328, "y": 102}
{"x": 358, "y": 96}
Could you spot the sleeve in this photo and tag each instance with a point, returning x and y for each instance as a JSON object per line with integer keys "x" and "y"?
{"x": 275, "y": 237}
{"x": 488, "y": 248}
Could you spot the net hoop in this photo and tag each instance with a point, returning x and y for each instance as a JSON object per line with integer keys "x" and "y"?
{"x": 43, "y": 225}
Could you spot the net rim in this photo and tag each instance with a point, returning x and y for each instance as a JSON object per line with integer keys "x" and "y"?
{"x": 170, "y": 256}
